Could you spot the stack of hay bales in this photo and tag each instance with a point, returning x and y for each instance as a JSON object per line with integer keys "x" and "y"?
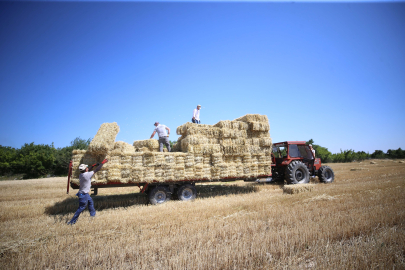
{"x": 229, "y": 149}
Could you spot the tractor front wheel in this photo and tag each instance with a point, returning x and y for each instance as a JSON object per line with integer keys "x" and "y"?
{"x": 297, "y": 173}
{"x": 326, "y": 174}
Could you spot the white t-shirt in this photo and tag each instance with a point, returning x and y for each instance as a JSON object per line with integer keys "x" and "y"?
{"x": 161, "y": 131}
{"x": 196, "y": 114}
{"x": 85, "y": 181}
{"x": 313, "y": 152}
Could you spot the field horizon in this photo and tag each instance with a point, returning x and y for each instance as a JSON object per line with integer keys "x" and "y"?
{"x": 356, "y": 222}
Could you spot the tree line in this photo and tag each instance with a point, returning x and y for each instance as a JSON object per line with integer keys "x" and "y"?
{"x": 39, "y": 160}
{"x": 350, "y": 155}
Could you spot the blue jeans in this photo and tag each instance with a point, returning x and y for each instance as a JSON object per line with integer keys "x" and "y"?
{"x": 84, "y": 200}
{"x": 195, "y": 121}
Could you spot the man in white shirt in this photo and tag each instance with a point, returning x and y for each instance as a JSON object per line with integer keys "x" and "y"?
{"x": 163, "y": 136}
{"x": 312, "y": 149}
{"x": 196, "y": 115}
{"x": 84, "y": 190}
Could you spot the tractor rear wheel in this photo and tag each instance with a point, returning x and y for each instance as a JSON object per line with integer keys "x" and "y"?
{"x": 159, "y": 194}
{"x": 297, "y": 173}
{"x": 326, "y": 174}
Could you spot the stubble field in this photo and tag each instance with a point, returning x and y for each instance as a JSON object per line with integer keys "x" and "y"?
{"x": 357, "y": 222}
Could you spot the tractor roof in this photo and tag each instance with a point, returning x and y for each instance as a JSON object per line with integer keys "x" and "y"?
{"x": 290, "y": 142}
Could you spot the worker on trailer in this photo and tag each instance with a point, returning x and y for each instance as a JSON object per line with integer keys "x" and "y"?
{"x": 196, "y": 115}
{"x": 84, "y": 190}
{"x": 312, "y": 149}
{"x": 163, "y": 136}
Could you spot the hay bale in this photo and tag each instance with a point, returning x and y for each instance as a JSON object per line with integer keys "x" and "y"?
{"x": 253, "y": 118}
{"x": 401, "y": 161}
{"x": 104, "y": 139}
{"x": 373, "y": 162}
{"x": 298, "y": 188}
{"x": 150, "y": 145}
{"x": 358, "y": 169}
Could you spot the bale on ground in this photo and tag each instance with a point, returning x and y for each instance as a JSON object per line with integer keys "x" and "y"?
{"x": 298, "y": 188}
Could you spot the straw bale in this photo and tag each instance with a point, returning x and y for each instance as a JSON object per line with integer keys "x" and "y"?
{"x": 224, "y": 124}
{"x": 255, "y": 141}
{"x": 126, "y": 171}
{"x": 137, "y": 159}
{"x": 257, "y": 134}
{"x": 137, "y": 174}
{"x": 104, "y": 139}
{"x": 216, "y": 158}
{"x": 79, "y": 152}
{"x": 148, "y": 159}
{"x": 259, "y": 126}
{"x": 265, "y": 142}
{"x": 193, "y": 140}
{"x": 239, "y": 169}
{"x": 254, "y": 170}
{"x": 207, "y": 159}
{"x": 228, "y": 158}
{"x": 151, "y": 145}
{"x": 226, "y": 142}
{"x": 149, "y": 174}
{"x": 198, "y": 159}
{"x": 215, "y": 173}
{"x": 237, "y": 159}
{"x": 247, "y": 158}
{"x": 159, "y": 158}
{"x": 298, "y": 188}
{"x": 253, "y": 118}
{"x": 114, "y": 173}
{"x": 246, "y": 170}
{"x": 124, "y": 147}
{"x": 239, "y": 141}
{"x": 114, "y": 160}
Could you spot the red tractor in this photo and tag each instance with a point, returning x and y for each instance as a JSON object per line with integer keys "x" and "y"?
{"x": 294, "y": 162}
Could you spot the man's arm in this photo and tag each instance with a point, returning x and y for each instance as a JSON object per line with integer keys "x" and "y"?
{"x": 99, "y": 166}
{"x": 153, "y": 134}
{"x": 168, "y": 130}
{"x": 194, "y": 113}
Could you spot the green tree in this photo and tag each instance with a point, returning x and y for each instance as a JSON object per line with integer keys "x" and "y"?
{"x": 378, "y": 154}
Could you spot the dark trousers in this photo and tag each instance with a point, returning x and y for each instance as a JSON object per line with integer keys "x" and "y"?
{"x": 84, "y": 200}
{"x": 195, "y": 121}
{"x": 164, "y": 140}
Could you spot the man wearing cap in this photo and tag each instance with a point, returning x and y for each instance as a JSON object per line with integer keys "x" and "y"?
{"x": 163, "y": 136}
{"x": 84, "y": 190}
{"x": 196, "y": 115}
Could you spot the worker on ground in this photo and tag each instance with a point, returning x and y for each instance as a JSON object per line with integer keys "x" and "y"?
{"x": 84, "y": 190}
{"x": 312, "y": 149}
{"x": 196, "y": 115}
{"x": 163, "y": 136}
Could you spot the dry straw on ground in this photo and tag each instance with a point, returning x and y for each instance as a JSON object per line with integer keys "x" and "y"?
{"x": 233, "y": 225}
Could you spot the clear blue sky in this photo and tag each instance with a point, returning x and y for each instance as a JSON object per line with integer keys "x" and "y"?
{"x": 333, "y": 72}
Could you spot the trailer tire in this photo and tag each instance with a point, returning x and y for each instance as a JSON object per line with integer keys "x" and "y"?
{"x": 186, "y": 192}
{"x": 297, "y": 173}
{"x": 326, "y": 174}
{"x": 158, "y": 195}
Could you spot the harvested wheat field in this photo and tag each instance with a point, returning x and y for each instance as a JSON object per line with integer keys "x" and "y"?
{"x": 357, "y": 222}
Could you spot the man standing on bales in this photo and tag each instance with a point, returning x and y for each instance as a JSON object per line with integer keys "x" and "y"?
{"x": 196, "y": 115}
{"x": 84, "y": 190}
{"x": 163, "y": 136}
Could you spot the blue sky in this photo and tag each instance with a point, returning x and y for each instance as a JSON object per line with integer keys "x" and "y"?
{"x": 333, "y": 72}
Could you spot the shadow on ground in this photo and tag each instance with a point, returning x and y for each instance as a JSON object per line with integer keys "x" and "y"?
{"x": 102, "y": 202}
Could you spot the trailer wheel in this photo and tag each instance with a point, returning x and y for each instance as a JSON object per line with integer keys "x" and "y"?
{"x": 159, "y": 194}
{"x": 326, "y": 174}
{"x": 186, "y": 192}
{"x": 297, "y": 173}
